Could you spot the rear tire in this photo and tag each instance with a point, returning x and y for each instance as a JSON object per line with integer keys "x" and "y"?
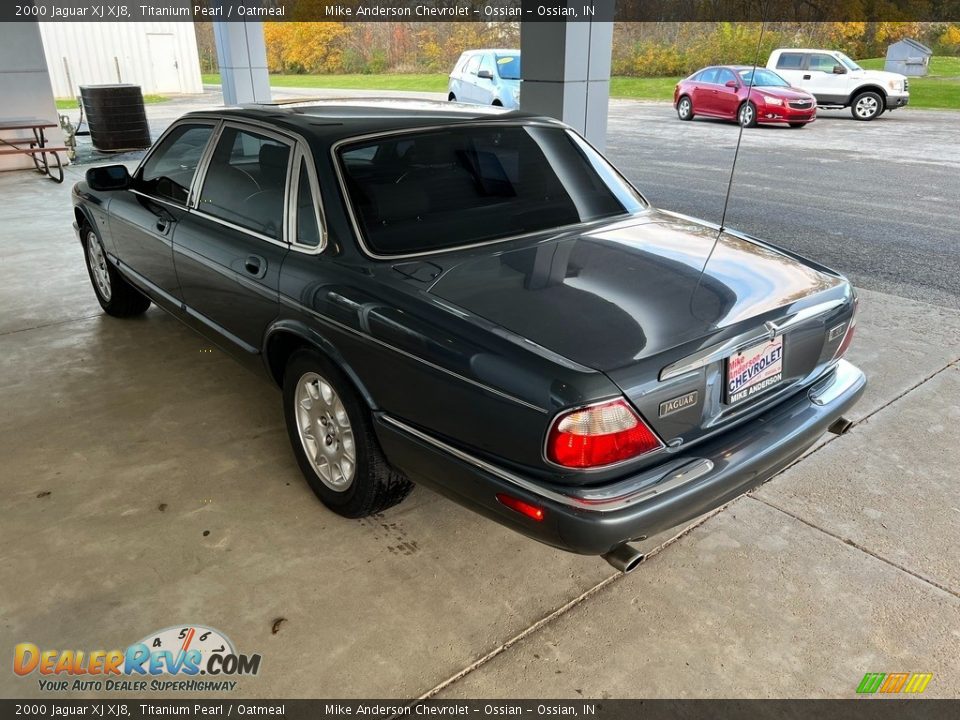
{"x": 685, "y": 108}
{"x": 747, "y": 115}
{"x": 116, "y": 296}
{"x": 867, "y": 106}
{"x": 332, "y": 436}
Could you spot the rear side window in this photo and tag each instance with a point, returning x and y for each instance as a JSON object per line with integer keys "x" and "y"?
{"x": 439, "y": 189}
{"x": 246, "y": 181}
{"x": 790, "y": 61}
{"x": 308, "y": 226}
{"x": 168, "y": 172}
{"x": 708, "y": 76}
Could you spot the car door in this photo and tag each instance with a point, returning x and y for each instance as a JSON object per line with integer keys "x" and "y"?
{"x": 828, "y": 87}
{"x": 726, "y": 99}
{"x": 471, "y": 90}
{"x": 229, "y": 249}
{"x": 487, "y": 89}
{"x": 142, "y": 221}
{"x": 705, "y": 91}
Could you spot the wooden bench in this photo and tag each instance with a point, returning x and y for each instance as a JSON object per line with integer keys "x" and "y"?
{"x": 34, "y": 145}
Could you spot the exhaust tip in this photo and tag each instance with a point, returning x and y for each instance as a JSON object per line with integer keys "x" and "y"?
{"x": 840, "y": 426}
{"x": 624, "y": 558}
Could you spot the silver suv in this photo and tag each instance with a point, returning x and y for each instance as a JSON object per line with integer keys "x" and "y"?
{"x": 486, "y": 77}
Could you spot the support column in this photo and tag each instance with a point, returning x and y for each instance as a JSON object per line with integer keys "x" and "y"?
{"x": 242, "y": 55}
{"x": 566, "y": 67}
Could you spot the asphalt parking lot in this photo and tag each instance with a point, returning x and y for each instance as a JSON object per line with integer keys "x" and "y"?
{"x": 148, "y": 482}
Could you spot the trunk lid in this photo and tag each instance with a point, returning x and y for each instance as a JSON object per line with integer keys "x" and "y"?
{"x": 633, "y": 297}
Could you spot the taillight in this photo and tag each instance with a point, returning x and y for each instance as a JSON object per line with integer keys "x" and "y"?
{"x": 848, "y": 335}
{"x": 599, "y": 435}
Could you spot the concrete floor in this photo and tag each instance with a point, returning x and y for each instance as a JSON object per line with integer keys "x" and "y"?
{"x": 147, "y": 482}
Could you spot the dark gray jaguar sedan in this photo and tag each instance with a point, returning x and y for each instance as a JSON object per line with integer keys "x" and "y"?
{"x": 482, "y": 304}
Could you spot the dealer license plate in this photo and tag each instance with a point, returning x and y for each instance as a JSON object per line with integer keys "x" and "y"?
{"x": 754, "y": 370}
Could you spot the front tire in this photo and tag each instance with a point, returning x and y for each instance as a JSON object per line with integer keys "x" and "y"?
{"x": 797, "y": 125}
{"x": 747, "y": 115}
{"x": 685, "y": 108}
{"x": 332, "y": 436}
{"x": 116, "y": 296}
{"x": 452, "y": 98}
{"x": 867, "y": 106}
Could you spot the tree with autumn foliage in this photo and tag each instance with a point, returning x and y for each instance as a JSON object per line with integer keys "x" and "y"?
{"x": 304, "y": 47}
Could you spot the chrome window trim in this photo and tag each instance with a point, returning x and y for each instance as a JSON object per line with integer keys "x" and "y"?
{"x": 201, "y": 163}
{"x": 354, "y": 222}
{"x": 239, "y": 228}
{"x": 612, "y": 498}
{"x": 771, "y": 329}
{"x": 155, "y": 199}
{"x": 302, "y": 155}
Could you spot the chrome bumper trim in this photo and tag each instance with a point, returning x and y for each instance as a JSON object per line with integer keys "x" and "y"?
{"x": 845, "y": 378}
{"x": 607, "y": 499}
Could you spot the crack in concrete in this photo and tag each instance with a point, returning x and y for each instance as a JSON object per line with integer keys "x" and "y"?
{"x": 47, "y": 325}
{"x": 854, "y": 544}
{"x": 563, "y": 609}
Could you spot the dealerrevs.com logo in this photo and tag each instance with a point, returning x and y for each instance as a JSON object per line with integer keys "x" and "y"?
{"x": 181, "y": 658}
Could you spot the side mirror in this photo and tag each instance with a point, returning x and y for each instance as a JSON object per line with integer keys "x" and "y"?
{"x": 839, "y": 70}
{"x": 732, "y": 84}
{"x": 108, "y": 177}
{"x": 485, "y": 74}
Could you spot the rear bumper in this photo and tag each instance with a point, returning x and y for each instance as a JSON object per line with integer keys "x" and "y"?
{"x": 593, "y": 520}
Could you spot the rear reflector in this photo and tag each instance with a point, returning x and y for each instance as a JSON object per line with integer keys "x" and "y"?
{"x": 599, "y": 435}
{"x": 524, "y": 508}
{"x": 848, "y": 335}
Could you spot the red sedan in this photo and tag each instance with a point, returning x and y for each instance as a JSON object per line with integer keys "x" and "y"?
{"x": 745, "y": 94}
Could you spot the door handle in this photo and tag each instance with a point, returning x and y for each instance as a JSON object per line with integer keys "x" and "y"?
{"x": 255, "y": 265}
{"x": 806, "y": 77}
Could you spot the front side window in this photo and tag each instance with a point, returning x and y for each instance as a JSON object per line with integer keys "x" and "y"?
{"x": 473, "y": 64}
{"x": 461, "y": 186}
{"x": 246, "y": 181}
{"x": 725, "y": 76}
{"x": 823, "y": 63}
{"x": 168, "y": 172}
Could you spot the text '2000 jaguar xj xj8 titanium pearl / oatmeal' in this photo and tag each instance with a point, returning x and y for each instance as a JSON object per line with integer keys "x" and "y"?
{"x": 482, "y": 304}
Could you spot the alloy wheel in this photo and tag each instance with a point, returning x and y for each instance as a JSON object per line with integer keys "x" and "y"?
{"x": 325, "y": 432}
{"x": 746, "y": 114}
{"x": 867, "y": 107}
{"x": 98, "y": 266}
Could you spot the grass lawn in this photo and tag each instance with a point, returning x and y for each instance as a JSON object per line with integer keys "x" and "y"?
{"x": 71, "y": 103}
{"x": 940, "y": 89}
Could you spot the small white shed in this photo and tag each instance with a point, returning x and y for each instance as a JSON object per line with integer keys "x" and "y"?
{"x": 908, "y": 57}
{"x": 160, "y": 57}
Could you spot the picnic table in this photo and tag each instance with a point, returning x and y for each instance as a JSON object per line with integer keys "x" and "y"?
{"x": 34, "y": 145}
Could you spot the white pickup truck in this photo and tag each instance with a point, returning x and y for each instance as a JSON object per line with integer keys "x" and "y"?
{"x": 836, "y": 81}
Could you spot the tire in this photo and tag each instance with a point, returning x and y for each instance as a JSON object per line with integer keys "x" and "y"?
{"x": 116, "y": 296}
{"x": 452, "y": 98}
{"x": 685, "y": 108}
{"x": 867, "y": 106}
{"x": 747, "y": 115}
{"x": 797, "y": 125}
{"x": 497, "y": 103}
{"x": 348, "y": 472}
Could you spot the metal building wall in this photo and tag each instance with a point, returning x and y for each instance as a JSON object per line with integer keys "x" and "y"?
{"x": 94, "y": 51}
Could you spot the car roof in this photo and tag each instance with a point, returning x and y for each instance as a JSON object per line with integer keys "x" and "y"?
{"x": 806, "y": 50}
{"x": 512, "y": 51}
{"x": 328, "y": 121}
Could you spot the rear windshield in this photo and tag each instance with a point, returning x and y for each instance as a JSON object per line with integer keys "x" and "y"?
{"x": 438, "y": 189}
